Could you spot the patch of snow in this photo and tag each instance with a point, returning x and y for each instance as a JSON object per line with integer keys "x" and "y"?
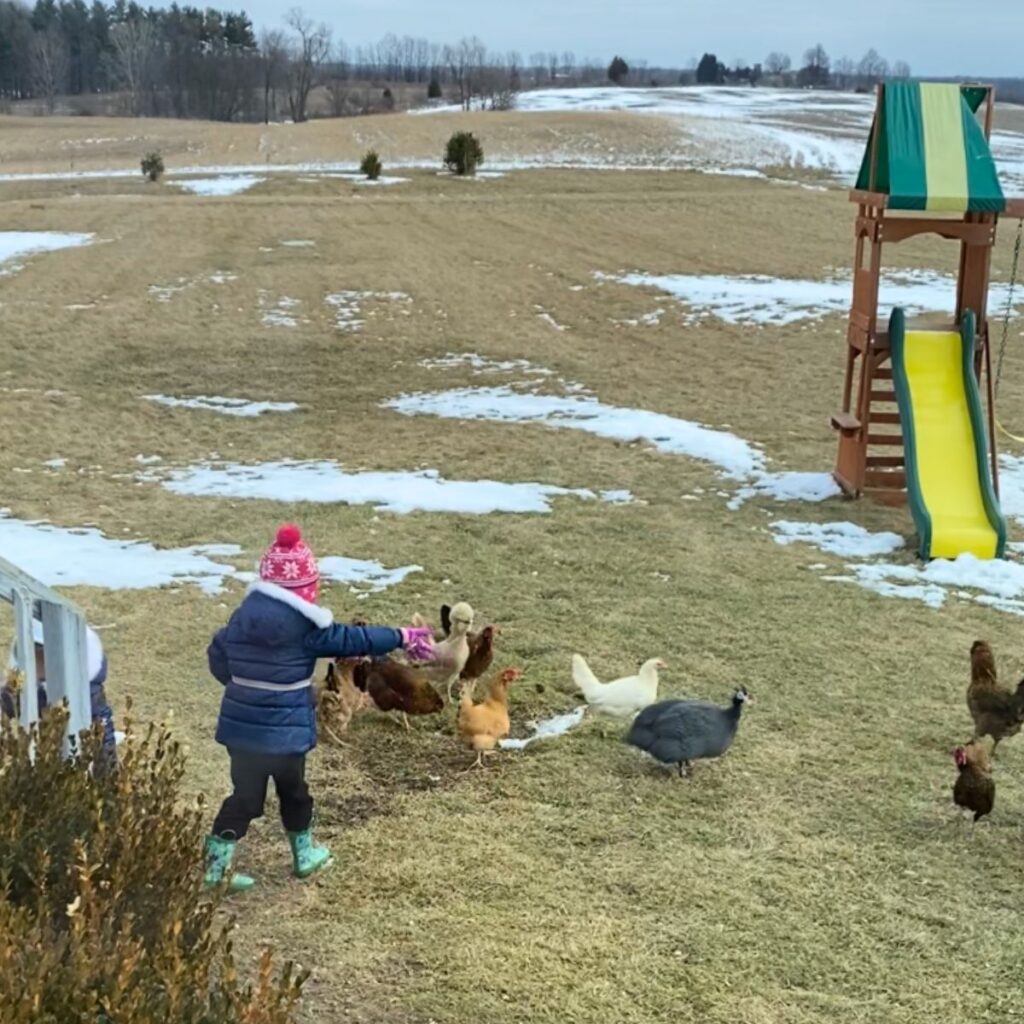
{"x": 788, "y": 486}
{"x": 617, "y": 497}
{"x": 559, "y": 725}
{"x": 348, "y": 306}
{"x": 390, "y": 491}
{"x": 299, "y": 243}
{"x": 734, "y": 456}
{"x": 222, "y": 185}
{"x": 86, "y": 558}
{"x": 894, "y": 581}
{"x": 16, "y": 244}
{"x": 364, "y": 576}
{"x": 225, "y": 406}
{"x": 482, "y": 365}
{"x": 56, "y": 463}
{"x": 222, "y": 277}
{"x": 543, "y": 314}
{"x": 281, "y": 313}
{"x": 763, "y": 300}
{"x": 848, "y": 540}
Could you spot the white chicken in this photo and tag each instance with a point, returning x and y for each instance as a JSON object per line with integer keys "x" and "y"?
{"x": 451, "y": 653}
{"x": 622, "y": 697}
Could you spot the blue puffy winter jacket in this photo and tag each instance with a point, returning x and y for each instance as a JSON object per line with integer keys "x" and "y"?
{"x": 266, "y": 656}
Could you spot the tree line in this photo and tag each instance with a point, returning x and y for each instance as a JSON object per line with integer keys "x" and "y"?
{"x": 817, "y": 70}
{"x": 185, "y": 61}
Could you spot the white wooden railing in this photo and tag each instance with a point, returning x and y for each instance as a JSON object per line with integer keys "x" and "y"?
{"x": 64, "y": 649}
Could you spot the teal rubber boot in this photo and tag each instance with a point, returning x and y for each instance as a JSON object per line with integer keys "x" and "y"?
{"x": 220, "y": 853}
{"x": 307, "y": 857}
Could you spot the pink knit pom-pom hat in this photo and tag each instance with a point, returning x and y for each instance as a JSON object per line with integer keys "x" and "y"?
{"x": 290, "y": 563}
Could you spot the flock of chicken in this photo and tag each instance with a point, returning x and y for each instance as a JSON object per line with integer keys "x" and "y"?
{"x": 997, "y": 712}
{"x": 674, "y": 732}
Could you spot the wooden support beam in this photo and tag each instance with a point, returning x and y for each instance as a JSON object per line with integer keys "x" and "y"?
{"x": 899, "y": 229}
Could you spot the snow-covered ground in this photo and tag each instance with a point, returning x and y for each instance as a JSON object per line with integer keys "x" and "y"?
{"x": 995, "y": 583}
{"x": 743, "y": 132}
{"x": 734, "y": 456}
{"x": 749, "y": 131}
{"x": 280, "y": 312}
{"x": 221, "y": 185}
{"x": 762, "y": 300}
{"x": 390, "y": 491}
{"x": 84, "y": 557}
{"x": 15, "y": 245}
{"x": 224, "y": 406}
{"x": 348, "y": 306}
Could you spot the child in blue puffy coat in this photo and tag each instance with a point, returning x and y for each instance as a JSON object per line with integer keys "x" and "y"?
{"x": 265, "y": 658}
{"x": 96, "y": 667}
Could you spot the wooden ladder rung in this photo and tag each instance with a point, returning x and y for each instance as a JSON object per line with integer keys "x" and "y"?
{"x": 894, "y": 461}
{"x": 890, "y": 440}
{"x": 883, "y": 373}
{"x": 886, "y": 417}
{"x": 885, "y": 480}
{"x": 883, "y": 396}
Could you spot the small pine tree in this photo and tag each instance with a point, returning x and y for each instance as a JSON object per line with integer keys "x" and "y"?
{"x": 463, "y": 154}
{"x": 371, "y": 165}
{"x": 152, "y": 166}
{"x": 434, "y": 89}
{"x": 388, "y": 99}
{"x": 618, "y": 70}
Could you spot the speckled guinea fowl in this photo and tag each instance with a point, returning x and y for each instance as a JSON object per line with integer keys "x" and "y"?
{"x": 682, "y": 731}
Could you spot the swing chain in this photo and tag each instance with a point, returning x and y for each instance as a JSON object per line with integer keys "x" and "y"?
{"x": 1009, "y": 303}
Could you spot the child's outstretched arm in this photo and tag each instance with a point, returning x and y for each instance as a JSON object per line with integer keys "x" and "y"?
{"x": 339, "y": 641}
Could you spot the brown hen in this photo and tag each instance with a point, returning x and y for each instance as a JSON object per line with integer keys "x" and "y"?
{"x": 997, "y": 711}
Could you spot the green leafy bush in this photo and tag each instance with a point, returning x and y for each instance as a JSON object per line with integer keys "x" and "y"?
{"x": 103, "y": 915}
{"x": 371, "y": 165}
{"x": 152, "y": 166}
{"x": 463, "y": 154}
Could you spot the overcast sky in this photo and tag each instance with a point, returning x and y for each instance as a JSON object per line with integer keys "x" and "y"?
{"x": 935, "y": 37}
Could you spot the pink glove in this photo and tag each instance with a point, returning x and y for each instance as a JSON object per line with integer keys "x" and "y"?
{"x": 418, "y": 642}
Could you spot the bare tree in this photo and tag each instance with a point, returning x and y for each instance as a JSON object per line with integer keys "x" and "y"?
{"x": 135, "y": 52}
{"x": 538, "y": 66}
{"x": 901, "y": 69}
{"x": 816, "y": 67}
{"x": 777, "y": 63}
{"x": 50, "y": 66}
{"x": 844, "y": 73}
{"x": 310, "y": 48}
{"x": 273, "y": 65}
{"x": 465, "y": 63}
{"x": 872, "y": 68}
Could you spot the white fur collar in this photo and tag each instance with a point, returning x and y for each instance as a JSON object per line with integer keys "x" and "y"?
{"x": 320, "y": 617}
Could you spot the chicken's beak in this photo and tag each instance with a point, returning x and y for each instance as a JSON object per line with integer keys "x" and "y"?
{"x": 661, "y": 664}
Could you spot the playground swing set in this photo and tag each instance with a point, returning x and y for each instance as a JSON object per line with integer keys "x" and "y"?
{"x": 918, "y": 421}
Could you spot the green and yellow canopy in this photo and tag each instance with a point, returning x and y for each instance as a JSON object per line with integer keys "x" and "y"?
{"x": 930, "y": 151}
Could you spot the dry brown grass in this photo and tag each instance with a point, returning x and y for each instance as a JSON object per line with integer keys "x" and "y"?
{"x": 814, "y": 875}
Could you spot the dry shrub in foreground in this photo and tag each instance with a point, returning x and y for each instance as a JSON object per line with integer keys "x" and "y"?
{"x": 103, "y": 916}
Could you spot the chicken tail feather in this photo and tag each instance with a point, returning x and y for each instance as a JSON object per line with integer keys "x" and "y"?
{"x": 584, "y": 679}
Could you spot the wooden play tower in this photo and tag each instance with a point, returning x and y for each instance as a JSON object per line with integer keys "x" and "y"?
{"x": 927, "y": 170}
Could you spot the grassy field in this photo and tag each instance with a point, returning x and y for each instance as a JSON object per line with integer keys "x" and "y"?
{"x": 815, "y": 874}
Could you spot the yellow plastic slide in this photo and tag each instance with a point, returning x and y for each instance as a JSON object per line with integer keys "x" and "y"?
{"x": 949, "y": 483}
